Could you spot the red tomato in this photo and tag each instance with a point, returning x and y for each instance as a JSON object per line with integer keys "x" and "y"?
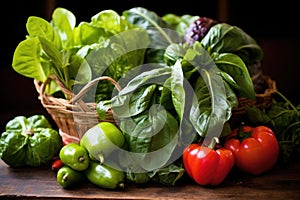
{"x": 256, "y": 150}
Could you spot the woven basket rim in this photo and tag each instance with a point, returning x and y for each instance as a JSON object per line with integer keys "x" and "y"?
{"x": 63, "y": 110}
{"x": 262, "y": 100}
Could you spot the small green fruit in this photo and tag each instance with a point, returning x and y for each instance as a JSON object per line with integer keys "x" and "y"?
{"x": 101, "y": 140}
{"x": 105, "y": 176}
{"x": 69, "y": 178}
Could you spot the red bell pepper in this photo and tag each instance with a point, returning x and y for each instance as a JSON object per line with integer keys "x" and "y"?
{"x": 256, "y": 149}
{"x": 206, "y": 165}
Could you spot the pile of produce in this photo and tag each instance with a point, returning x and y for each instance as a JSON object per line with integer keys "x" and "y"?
{"x": 181, "y": 79}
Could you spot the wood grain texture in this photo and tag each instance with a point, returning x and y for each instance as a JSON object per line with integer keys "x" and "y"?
{"x": 40, "y": 183}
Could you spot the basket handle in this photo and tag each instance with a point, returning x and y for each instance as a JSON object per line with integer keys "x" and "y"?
{"x": 75, "y": 98}
{"x": 86, "y": 88}
{"x": 59, "y": 83}
{"x": 41, "y": 87}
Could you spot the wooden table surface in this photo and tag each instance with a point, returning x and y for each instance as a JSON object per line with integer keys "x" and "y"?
{"x": 40, "y": 183}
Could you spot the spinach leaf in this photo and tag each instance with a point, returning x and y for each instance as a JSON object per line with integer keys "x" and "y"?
{"x": 125, "y": 104}
{"x": 87, "y": 34}
{"x": 210, "y": 108}
{"x": 27, "y": 61}
{"x": 167, "y": 175}
{"x": 224, "y": 38}
{"x": 235, "y": 67}
{"x": 212, "y": 95}
{"x": 175, "y": 52}
{"x": 159, "y": 33}
{"x": 38, "y": 27}
{"x": 136, "y": 103}
{"x": 178, "y": 90}
{"x": 64, "y": 22}
{"x": 151, "y": 137}
{"x": 151, "y": 22}
{"x": 179, "y": 23}
{"x": 111, "y": 21}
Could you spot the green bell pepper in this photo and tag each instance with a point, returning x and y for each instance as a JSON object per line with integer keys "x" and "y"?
{"x": 74, "y": 156}
{"x": 105, "y": 176}
{"x": 69, "y": 178}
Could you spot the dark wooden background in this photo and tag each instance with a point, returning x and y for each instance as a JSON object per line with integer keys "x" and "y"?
{"x": 272, "y": 24}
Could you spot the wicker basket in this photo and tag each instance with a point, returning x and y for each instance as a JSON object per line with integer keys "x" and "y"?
{"x": 261, "y": 101}
{"x": 74, "y": 116}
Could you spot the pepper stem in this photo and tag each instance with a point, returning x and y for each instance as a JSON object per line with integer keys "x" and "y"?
{"x": 65, "y": 177}
{"x": 213, "y": 142}
{"x": 101, "y": 158}
{"x": 81, "y": 158}
{"x": 121, "y": 185}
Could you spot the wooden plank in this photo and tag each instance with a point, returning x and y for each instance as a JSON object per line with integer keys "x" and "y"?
{"x": 40, "y": 183}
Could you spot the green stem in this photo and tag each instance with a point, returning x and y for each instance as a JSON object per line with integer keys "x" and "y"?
{"x": 214, "y": 141}
{"x": 282, "y": 96}
{"x": 283, "y": 137}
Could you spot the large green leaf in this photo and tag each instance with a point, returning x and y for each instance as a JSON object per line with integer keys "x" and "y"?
{"x": 179, "y": 23}
{"x": 151, "y": 22}
{"x": 26, "y": 60}
{"x": 236, "y": 68}
{"x": 151, "y": 137}
{"x": 210, "y": 108}
{"x": 178, "y": 91}
{"x": 224, "y": 38}
{"x": 121, "y": 103}
{"x": 38, "y": 27}
{"x": 64, "y": 22}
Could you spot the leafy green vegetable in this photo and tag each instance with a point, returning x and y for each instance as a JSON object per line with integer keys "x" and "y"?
{"x": 161, "y": 35}
{"x": 157, "y": 111}
{"x": 224, "y": 38}
{"x": 29, "y": 142}
{"x": 153, "y": 135}
{"x": 187, "y": 92}
{"x": 167, "y": 175}
{"x": 235, "y": 67}
{"x": 179, "y": 23}
{"x": 78, "y": 54}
